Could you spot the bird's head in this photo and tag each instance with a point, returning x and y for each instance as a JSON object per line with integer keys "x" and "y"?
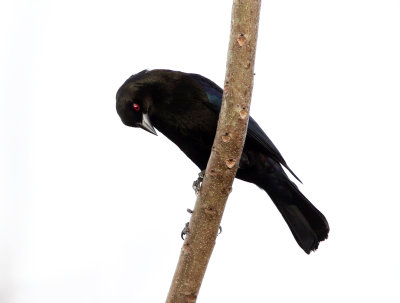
{"x": 134, "y": 103}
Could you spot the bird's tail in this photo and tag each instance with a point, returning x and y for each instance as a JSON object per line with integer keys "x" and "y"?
{"x": 307, "y": 224}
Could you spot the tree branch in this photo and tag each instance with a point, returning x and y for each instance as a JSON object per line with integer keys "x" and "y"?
{"x": 225, "y": 154}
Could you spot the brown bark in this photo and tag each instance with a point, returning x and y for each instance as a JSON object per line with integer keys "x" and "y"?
{"x": 225, "y": 154}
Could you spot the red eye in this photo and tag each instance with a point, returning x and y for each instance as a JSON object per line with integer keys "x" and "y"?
{"x": 136, "y": 107}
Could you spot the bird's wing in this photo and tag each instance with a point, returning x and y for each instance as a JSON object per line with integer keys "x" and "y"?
{"x": 212, "y": 90}
{"x": 255, "y": 135}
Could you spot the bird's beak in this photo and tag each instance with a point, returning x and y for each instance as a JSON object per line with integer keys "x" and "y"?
{"x": 146, "y": 124}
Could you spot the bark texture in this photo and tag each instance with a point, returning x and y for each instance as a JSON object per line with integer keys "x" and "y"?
{"x": 225, "y": 154}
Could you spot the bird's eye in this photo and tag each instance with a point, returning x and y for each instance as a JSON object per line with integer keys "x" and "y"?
{"x": 136, "y": 107}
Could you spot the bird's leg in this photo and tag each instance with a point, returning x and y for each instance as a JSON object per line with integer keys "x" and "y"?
{"x": 197, "y": 184}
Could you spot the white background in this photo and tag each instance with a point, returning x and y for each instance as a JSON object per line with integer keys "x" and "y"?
{"x": 91, "y": 210}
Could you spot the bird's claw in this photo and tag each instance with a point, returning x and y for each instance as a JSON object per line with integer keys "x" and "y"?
{"x": 185, "y": 231}
{"x": 197, "y": 184}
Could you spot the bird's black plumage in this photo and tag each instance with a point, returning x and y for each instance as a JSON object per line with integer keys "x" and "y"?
{"x": 185, "y": 108}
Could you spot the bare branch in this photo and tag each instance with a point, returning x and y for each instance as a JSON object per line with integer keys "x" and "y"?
{"x": 225, "y": 154}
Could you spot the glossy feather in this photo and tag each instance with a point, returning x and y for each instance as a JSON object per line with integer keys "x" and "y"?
{"x": 185, "y": 108}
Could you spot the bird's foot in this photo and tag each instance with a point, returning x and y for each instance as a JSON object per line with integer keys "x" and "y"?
{"x": 197, "y": 184}
{"x": 186, "y": 229}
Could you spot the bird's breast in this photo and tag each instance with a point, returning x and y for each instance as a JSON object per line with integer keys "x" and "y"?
{"x": 192, "y": 132}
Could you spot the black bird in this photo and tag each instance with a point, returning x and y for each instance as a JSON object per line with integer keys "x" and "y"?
{"x": 185, "y": 108}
